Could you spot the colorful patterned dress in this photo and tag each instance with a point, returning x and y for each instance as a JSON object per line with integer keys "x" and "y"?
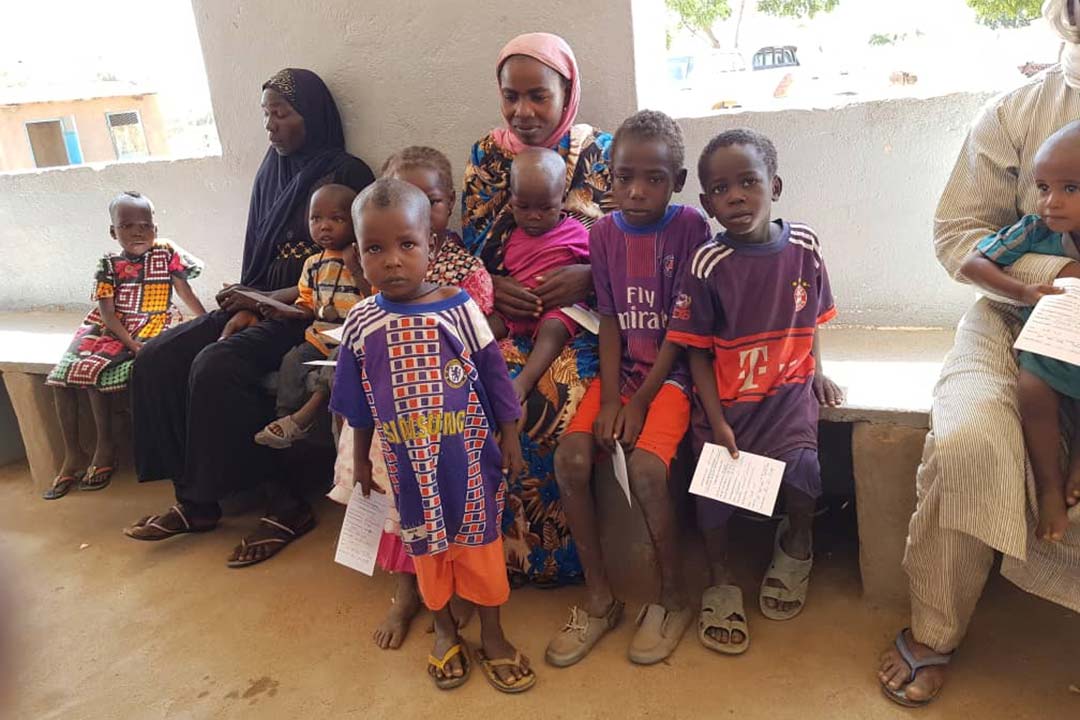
{"x": 141, "y": 290}
{"x": 539, "y": 548}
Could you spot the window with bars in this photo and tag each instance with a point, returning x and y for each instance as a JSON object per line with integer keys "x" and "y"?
{"x": 129, "y": 140}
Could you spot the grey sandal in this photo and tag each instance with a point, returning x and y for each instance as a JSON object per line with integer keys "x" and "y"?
{"x": 719, "y": 605}
{"x": 793, "y": 574}
{"x": 900, "y": 696}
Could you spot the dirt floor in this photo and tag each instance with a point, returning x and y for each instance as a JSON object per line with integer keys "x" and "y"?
{"x": 105, "y": 627}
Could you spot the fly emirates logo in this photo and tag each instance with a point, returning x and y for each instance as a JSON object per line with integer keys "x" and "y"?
{"x": 635, "y": 319}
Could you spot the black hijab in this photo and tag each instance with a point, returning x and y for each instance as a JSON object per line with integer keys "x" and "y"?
{"x": 285, "y": 181}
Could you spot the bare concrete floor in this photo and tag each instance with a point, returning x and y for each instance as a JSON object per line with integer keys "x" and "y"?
{"x": 119, "y": 629}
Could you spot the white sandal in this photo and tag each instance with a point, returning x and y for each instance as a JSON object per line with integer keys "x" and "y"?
{"x": 281, "y": 433}
{"x": 793, "y": 574}
{"x": 722, "y": 609}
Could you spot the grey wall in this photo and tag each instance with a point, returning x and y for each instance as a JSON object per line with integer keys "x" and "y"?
{"x": 412, "y": 71}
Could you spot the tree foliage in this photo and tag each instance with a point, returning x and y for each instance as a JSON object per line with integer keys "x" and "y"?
{"x": 1006, "y": 13}
{"x": 699, "y": 16}
{"x": 797, "y": 8}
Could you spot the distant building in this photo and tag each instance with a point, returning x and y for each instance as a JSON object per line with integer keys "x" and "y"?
{"x": 99, "y": 122}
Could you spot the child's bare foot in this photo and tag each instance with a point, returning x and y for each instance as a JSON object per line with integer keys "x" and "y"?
{"x": 395, "y": 626}
{"x": 1053, "y": 516}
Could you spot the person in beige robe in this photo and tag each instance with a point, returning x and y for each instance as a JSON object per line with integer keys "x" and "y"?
{"x": 975, "y": 494}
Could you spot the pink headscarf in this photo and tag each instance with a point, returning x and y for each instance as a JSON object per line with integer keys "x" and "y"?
{"x": 553, "y": 51}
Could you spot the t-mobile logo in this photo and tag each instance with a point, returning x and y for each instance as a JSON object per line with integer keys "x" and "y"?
{"x": 753, "y": 362}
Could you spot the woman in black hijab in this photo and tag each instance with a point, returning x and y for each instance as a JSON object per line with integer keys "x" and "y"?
{"x": 196, "y": 390}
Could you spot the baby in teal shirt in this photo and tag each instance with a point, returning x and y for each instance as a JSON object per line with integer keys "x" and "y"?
{"x": 1043, "y": 381}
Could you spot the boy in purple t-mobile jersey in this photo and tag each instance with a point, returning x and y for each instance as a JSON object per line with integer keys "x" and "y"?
{"x": 641, "y": 398}
{"x": 748, "y": 308}
{"x": 419, "y": 365}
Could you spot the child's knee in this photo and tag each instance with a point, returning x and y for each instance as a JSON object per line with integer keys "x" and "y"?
{"x": 574, "y": 462}
{"x": 648, "y": 475}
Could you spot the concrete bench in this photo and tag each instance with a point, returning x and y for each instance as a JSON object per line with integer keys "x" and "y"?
{"x": 30, "y": 345}
{"x": 888, "y": 376}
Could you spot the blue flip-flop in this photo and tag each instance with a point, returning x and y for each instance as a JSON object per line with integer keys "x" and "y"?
{"x": 900, "y": 696}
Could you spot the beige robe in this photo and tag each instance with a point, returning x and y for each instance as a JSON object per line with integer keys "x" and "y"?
{"x": 979, "y": 458}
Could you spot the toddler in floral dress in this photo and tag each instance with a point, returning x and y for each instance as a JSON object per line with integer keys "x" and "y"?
{"x": 133, "y": 290}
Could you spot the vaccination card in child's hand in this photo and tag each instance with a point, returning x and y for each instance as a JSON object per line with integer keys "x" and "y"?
{"x": 361, "y": 531}
{"x": 750, "y": 481}
{"x": 1052, "y": 329}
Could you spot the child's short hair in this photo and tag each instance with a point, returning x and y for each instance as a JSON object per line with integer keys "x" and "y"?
{"x": 654, "y": 125}
{"x": 740, "y": 136}
{"x": 420, "y": 156}
{"x": 129, "y": 195}
{"x": 387, "y": 193}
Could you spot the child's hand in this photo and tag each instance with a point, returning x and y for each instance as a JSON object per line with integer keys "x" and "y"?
{"x": 362, "y": 478}
{"x": 521, "y": 389}
{"x": 1034, "y": 293}
{"x": 724, "y": 436}
{"x": 827, "y": 392}
{"x": 630, "y": 421}
{"x": 239, "y": 321}
{"x": 135, "y": 346}
{"x": 513, "y": 462}
{"x": 498, "y": 326}
{"x": 604, "y": 426}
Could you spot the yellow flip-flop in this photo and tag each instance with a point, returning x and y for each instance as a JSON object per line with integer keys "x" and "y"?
{"x": 488, "y": 666}
{"x": 434, "y": 663}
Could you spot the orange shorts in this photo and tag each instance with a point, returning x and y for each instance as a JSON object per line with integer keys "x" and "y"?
{"x": 665, "y": 423}
{"x": 476, "y": 573}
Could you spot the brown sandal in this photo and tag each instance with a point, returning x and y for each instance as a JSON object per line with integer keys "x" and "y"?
{"x": 61, "y": 486}
{"x": 276, "y": 542}
{"x": 151, "y": 528}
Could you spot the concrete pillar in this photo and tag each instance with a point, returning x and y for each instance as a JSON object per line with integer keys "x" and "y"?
{"x": 40, "y": 430}
{"x": 885, "y": 458}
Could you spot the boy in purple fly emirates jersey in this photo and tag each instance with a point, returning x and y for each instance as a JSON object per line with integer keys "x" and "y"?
{"x": 748, "y": 308}
{"x": 641, "y": 398}
{"x": 419, "y": 365}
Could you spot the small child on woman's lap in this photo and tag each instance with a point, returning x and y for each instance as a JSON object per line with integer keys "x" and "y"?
{"x": 641, "y": 399}
{"x": 419, "y": 366}
{"x": 748, "y": 310}
{"x": 545, "y": 239}
{"x": 133, "y": 290}
{"x": 1043, "y": 381}
{"x": 331, "y": 282}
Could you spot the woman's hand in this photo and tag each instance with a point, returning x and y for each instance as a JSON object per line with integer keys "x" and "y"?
{"x": 513, "y": 300}
{"x": 241, "y": 320}
{"x": 565, "y": 286}
{"x": 230, "y": 299}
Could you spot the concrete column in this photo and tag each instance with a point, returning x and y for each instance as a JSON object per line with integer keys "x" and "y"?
{"x": 885, "y": 458}
{"x": 40, "y": 430}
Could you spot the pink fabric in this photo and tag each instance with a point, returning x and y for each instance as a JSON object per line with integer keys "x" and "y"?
{"x": 481, "y": 290}
{"x": 553, "y": 51}
{"x": 526, "y": 258}
{"x": 391, "y": 555}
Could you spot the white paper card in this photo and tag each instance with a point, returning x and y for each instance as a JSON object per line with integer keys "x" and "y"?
{"x": 334, "y": 333}
{"x": 750, "y": 481}
{"x": 1052, "y": 329}
{"x": 361, "y": 531}
{"x": 618, "y": 459}
{"x": 322, "y": 363}
{"x": 584, "y": 317}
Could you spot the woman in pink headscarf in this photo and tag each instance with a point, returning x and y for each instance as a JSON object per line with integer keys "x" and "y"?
{"x": 540, "y": 90}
